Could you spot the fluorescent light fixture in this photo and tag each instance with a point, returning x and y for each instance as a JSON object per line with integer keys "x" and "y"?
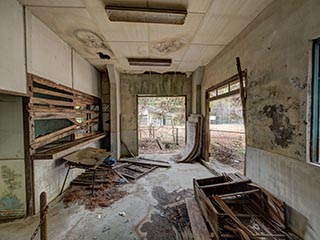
{"x": 155, "y": 62}
{"x": 146, "y": 15}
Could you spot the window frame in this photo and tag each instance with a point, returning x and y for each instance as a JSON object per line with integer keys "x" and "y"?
{"x": 315, "y": 102}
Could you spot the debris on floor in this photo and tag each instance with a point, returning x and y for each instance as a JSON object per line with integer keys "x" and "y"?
{"x": 230, "y": 153}
{"x": 146, "y": 161}
{"x": 235, "y": 207}
{"x": 99, "y": 186}
{"x": 134, "y": 171}
{"x": 105, "y": 191}
{"x": 171, "y": 221}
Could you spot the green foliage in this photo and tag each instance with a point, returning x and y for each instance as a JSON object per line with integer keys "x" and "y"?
{"x": 164, "y": 107}
{"x": 227, "y": 110}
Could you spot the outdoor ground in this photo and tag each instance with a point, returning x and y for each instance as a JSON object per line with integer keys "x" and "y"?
{"x": 227, "y": 144}
{"x": 145, "y": 206}
{"x": 167, "y": 135}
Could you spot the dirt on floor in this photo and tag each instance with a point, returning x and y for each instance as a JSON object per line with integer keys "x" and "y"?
{"x": 150, "y": 146}
{"x": 172, "y": 221}
{"x": 228, "y": 147}
{"x": 104, "y": 194}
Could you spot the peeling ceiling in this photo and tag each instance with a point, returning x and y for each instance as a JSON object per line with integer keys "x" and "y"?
{"x": 209, "y": 26}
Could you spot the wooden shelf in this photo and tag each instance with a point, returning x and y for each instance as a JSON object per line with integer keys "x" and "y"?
{"x": 65, "y": 149}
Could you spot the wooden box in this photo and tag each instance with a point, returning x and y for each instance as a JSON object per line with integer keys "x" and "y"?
{"x": 241, "y": 196}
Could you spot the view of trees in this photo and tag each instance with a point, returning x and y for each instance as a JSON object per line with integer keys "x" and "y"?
{"x": 164, "y": 108}
{"x": 226, "y": 110}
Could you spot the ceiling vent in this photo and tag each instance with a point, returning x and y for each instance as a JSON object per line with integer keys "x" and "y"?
{"x": 146, "y": 15}
{"x": 156, "y": 62}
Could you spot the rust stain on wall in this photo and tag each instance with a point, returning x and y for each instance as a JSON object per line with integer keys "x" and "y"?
{"x": 281, "y": 126}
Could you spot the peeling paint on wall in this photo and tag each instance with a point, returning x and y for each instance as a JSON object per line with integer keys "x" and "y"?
{"x": 9, "y": 201}
{"x": 281, "y": 127}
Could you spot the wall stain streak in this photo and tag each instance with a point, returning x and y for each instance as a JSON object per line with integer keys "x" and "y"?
{"x": 11, "y": 180}
{"x": 281, "y": 127}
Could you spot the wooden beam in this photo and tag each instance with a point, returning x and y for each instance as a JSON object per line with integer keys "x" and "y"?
{"x": 62, "y": 133}
{"x": 51, "y": 93}
{"x": 198, "y": 225}
{"x": 37, "y": 108}
{"x": 51, "y": 84}
{"x": 56, "y": 115}
{"x": 28, "y": 128}
{"x": 67, "y": 148}
{"x": 45, "y": 101}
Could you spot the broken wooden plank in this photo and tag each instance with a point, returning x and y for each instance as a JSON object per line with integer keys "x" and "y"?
{"x": 198, "y": 225}
{"x": 52, "y": 93}
{"x": 54, "y": 136}
{"x": 147, "y": 162}
{"x": 67, "y": 148}
{"x": 45, "y": 101}
{"x": 160, "y": 144}
{"x": 245, "y": 232}
{"x": 91, "y": 157}
{"x": 239, "y": 193}
{"x": 120, "y": 175}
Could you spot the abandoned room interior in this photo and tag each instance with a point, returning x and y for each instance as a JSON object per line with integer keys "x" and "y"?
{"x": 159, "y": 119}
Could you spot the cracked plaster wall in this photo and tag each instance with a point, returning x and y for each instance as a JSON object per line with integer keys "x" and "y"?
{"x": 276, "y": 49}
{"x": 133, "y": 85}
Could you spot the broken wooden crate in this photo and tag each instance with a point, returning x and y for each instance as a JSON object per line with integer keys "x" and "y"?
{"x": 134, "y": 171}
{"x": 234, "y": 207}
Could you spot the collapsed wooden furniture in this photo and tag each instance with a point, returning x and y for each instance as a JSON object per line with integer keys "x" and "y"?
{"x": 89, "y": 159}
{"x": 236, "y": 208}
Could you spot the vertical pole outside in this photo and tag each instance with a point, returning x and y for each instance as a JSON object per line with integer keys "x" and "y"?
{"x": 177, "y": 136}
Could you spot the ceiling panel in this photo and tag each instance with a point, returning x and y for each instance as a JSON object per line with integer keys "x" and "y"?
{"x": 209, "y": 26}
{"x": 118, "y": 31}
{"x": 168, "y": 48}
{"x": 160, "y": 31}
{"x": 54, "y": 3}
{"x": 201, "y": 53}
{"x": 79, "y": 31}
{"x": 123, "y": 49}
{"x": 226, "y": 19}
{"x": 220, "y": 30}
{"x": 244, "y": 8}
{"x": 188, "y": 66}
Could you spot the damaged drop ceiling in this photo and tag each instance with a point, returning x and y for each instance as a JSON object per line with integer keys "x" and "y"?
{"x": 209, "y": 26}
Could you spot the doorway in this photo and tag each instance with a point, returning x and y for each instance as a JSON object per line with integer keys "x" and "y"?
{"x": 226, "y": 126}
{"x": 161, "y": 124}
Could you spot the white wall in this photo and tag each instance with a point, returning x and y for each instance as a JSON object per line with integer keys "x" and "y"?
{"x": 85, "y": 77}
{"x": 12, "y": 174}
{"x": 48, "y": 55}
{"x": 12, "y": 57}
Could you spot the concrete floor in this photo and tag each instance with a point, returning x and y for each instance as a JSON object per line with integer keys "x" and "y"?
{"x": 76, "y": 223}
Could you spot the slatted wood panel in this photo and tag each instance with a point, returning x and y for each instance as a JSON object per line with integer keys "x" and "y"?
{"x": 49, "y": 100}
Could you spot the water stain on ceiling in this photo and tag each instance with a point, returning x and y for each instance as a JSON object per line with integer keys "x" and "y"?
{"x": 91, "y": 40}
{"x": 167, "y": 46}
